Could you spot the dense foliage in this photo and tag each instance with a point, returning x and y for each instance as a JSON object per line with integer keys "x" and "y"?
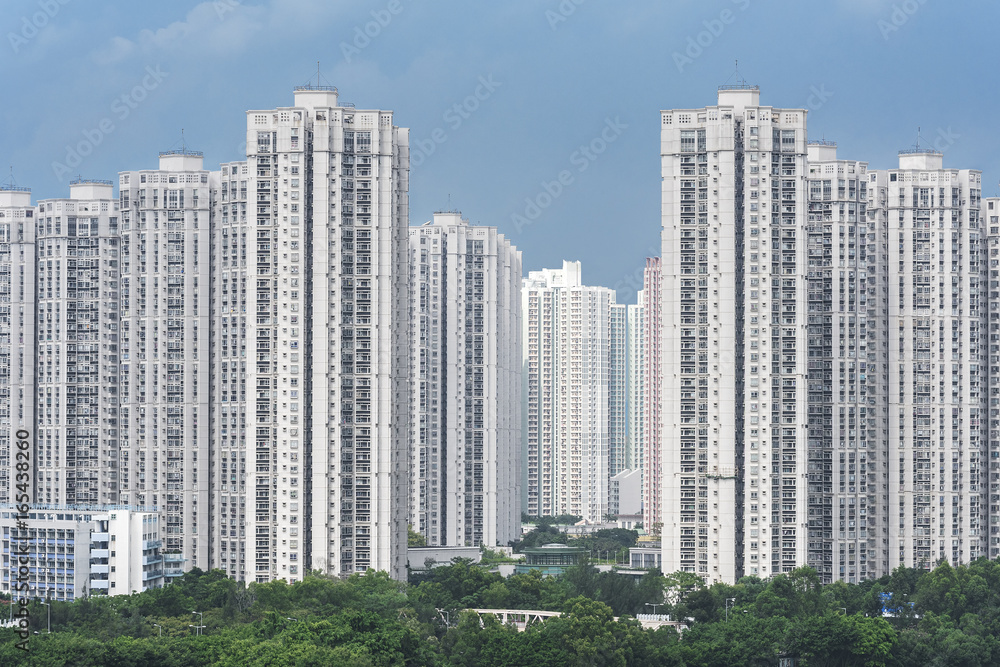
{"x": 954, "y": 619}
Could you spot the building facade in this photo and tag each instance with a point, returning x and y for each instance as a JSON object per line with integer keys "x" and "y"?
{"x": 165, "y": 221}
{"x": 937, "y": 359}
{"x": 76, "y": 368}
{"x": 734, "y": 338}
{"x": 327, "y": 188}
{"x": 652, "y": 385}
{"x": 465, "y": 366}
{"x": 17, "y": 331}
{"x": 80, "y": 550}
{"x": 635, "y": 397}
{"x": 848, "y": 432}
{"x": 618, "y": 389}
{"x": 566, "y": 345}
{"x": 233, "y": 285}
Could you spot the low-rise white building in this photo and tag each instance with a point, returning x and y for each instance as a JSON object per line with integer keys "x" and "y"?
{"x": 75, "y": 551}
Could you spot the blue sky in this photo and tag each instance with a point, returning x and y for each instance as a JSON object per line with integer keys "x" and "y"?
{"x": 551, "y": 76}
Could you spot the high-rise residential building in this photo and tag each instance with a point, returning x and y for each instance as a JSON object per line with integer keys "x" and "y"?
{"x": 618, "y": 389}
{"x": 848, "y": 396}
{"x": 17, "y": 330}
{"x": 233, "y": 282}
{"x": 465, "y": 421}
{"x": 165, "y": 338}
{"x": 328, "y": 358}
{"x": 652, "y": 381}
{"x": 734, "y": 305}
{"x": 990, "y": 225}
{"x": 635, "y": 398}
{"x": 566, "y": 348}
{"x": 76, "y": 367}
{"x": 937, "y": 359}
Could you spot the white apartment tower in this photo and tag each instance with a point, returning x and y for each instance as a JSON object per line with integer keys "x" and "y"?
{"x": 990, "y": 221}
{"x": 465, "y": 370}
{"x": 328, "y": 357}
{"x": 937, "y": 359}
{"x": 635, "y": 384}
{"x": 652, "y": 383}
{"x": 166, "y": 255}
{"x": 848, "y": 395}
{"x": 76, "y": 368}
{"x": 17, "y": 332}
{"x": 618, "y": 389}
{"x": 566, "y": 349}
{"x": 233, "y": 282}
{"x": 734, "y": 305}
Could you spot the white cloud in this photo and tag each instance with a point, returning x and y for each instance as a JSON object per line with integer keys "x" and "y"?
{"x": 216, "y": 26}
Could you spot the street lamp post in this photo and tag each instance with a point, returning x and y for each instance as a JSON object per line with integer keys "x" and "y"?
{"x": 729, "y": 602}
{"x": 654, "y": 605}
{"x": 157, "y": 625}
{"x": 201, "y": 621}
{"x": 48, "y": 625}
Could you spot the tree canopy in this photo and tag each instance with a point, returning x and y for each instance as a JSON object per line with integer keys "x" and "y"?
{"x": 947, "y": 616}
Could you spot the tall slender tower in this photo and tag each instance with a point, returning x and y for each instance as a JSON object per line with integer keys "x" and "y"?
{"x": 734, "y": 338}
{"x": 990, "y": 221}
{"x": 233, "y": 283}
{"x": 166, "y": 256}
{"x": 652, "y": 383}
{"x": 937, "y": 361}
{"x": 567, "y": 357}
{"x": 617, "y": 388}
{"x": 17, "y": 335}
{"x": 76, "y": 367}
{"x": 848, "y": 398}
{"x": 465, "y": 421}
{"x": 329, "y": 373}
{"x": 636, "y": 384}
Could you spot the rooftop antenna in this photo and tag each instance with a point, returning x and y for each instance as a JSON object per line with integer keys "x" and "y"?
{"x": 917, "y": 145}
